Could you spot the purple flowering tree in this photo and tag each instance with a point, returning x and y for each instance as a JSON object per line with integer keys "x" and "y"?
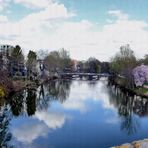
{"x": 140, "y": 74}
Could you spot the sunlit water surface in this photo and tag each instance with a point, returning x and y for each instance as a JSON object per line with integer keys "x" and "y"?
{"x": 73, "y": 114}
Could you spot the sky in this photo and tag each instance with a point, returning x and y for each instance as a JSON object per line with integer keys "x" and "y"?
{"x": 86, "y": 28}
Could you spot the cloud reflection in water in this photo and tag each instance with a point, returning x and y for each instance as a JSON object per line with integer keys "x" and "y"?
{"x": 78, "y": 98}
{"x": 39, "y": 126}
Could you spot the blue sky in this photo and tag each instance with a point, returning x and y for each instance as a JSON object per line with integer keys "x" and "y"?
{"x": 95, "y": 11}
{"x": 99, "y": 27}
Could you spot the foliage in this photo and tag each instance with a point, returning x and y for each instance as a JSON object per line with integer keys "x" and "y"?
{"x": 123, "y": 60}
{"x": 2, "y": 92}
{"x": 17, "y": 54}
{"x": 57, "y": 60}
{"x": 31, "y": 62}
{"x": 5, "y": 83}
{"x": 141, "y": 90}
{"x": 93, "y": 65}
{"x": 140, "y": 75}
{"x": 32, "y": 56}
{"x": 123, "y": 63}
{"x": 146, "y": 59}
{"x": 105, "y": 67}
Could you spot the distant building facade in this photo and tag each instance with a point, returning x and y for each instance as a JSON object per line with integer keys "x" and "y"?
{"x": 5, "y": 52}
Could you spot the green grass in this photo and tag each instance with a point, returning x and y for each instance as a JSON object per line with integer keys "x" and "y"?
{"x": 141, "y": 90}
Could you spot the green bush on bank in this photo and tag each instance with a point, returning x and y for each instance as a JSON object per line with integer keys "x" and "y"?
{"x": 2, "y": 92}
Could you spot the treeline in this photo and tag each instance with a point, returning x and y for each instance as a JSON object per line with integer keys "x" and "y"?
{"x": 14, "y": 62}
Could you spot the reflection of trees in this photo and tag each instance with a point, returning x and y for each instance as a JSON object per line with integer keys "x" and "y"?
{"x": 23, "y": 101}
{"x": 5, "y": 135}
{"x": 42, "y": 100}
{"x": 28, "y": 100}
{"x": 31, "y": 102}
{"x": 140, "y": 106}
{"x": 92, "y": 84}
{"x": 59, "y": 90}
{"x": 54, "y": 90}
{"x": 129, "y": 124}
{"x": 128, "y": 109}
{"x": 17, "y": 103}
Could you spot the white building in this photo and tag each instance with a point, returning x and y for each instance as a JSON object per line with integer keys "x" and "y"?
{"x": 5, "y": 51}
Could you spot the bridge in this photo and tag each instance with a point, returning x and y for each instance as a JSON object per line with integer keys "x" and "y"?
{"x": 89, "y": 76}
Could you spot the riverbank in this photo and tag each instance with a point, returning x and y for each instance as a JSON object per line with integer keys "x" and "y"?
{"x": 139, "y": 91}
{"x": 135, "y": 144}
{"x": 8, "y": 85}
{"x": 23, "y": 84}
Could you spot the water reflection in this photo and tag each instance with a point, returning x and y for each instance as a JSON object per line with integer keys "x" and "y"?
{"x": 16, "y": 103}
{"x": 39, "y": 112}
{"x": 5, "y": 135}
{"x": 130, "y": 108}
{"x": 31, "y": 102}
{"x": 59, "y": 90}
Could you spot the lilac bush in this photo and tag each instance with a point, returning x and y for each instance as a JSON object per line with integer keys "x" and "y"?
{"x": 140, "y": 74}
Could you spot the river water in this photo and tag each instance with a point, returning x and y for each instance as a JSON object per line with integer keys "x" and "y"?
{"x": 72, "y": 114}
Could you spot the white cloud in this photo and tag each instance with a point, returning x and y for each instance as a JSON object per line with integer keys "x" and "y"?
{"x": 118, "y": 14}
{"x": 34, "y": 3}
{"x": 3, "y": 19}
{"x": 29, "y": 131}
{"x": 51, "y": 12}
{"x": 33, "y": 129}
{"x": 79, "y": 103}
{"x": 53, "y": 120}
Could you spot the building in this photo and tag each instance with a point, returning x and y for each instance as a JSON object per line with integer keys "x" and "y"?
{"x": 6, "y": 49}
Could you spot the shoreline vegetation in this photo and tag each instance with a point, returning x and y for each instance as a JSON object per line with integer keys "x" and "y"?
{"x": 13, "y": 86}
{"x": 139, "y": 91}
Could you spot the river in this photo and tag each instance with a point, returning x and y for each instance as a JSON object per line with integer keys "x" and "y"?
{"x": 72, "y": 114}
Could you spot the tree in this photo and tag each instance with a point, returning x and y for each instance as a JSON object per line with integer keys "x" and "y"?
{"x": 52, "y": 61}
{"x": 57, "y": 60}
{"x": 41, "y": 54}
{"x": 140, "y": 75}
{"x": 123, "y": 63}
{"x": 17, "y": 54}
{"x": 146, "y": 59}
{"x": 65, "y": 61}
{"x": 105, "y": 67}
{"x": 93, "y": 65}
{"x": 16, "y": 60}
{"x": 31, "y": 62}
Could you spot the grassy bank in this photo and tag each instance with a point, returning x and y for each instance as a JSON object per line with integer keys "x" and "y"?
{"x": 140, "y": 91}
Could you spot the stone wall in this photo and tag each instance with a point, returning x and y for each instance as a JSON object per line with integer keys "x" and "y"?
{"x": 135, "y": 144}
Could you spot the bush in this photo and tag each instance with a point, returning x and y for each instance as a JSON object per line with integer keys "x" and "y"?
{"x": 2, "y": 92}
{"x": 6, "y": 85}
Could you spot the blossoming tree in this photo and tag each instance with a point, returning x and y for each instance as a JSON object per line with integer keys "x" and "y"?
{"x": 140, "y": 74}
